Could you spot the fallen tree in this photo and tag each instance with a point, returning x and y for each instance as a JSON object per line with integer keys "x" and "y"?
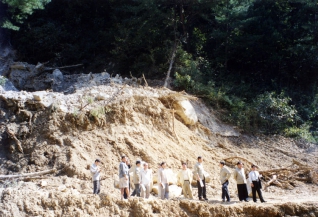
{"x": 288, "y": 177}
{"x": 28, "y": 175}
{"x": 285, "y": 177}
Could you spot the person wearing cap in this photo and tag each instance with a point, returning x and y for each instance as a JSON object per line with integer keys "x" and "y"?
{"x": 185, "y": 178}
{"x": 95, "y": 171}
{"x": 253, "y": 177}
{"x": 163, "y": 181}
{"x": 199, "y": 175}
{"x": 123, "y": 177}
{"x": 225, "y": 174}
{"x": 239, "y": 176}
{"x": 136, "y": 179}
{"x": 145, "y": 181}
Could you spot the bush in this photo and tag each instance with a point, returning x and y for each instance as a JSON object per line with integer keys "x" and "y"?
{"x": 275, "y": 111}
{"x": 302, "y": 132}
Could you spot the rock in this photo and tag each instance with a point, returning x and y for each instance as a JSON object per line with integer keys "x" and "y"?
{"x": 186, "y": 111}
{"x": 38, "y": 96}
{"x": 62, "y": 188}
{"x": 249, "y": 189}
{"x": 207, "y": 177}
{"x": 172, "y": 177}
{"x": 155, "y": 189}
{"x": 116, "y": 181}
{"x": 210, "y": 121}
{"x": 6, "y": 85}
{"x": 43, "y": 183}
{"x": 58, "y": 75}
{"x": 58, "y": 79}
{"x": 174, "y": 191}
{"x": 39, "y": 66}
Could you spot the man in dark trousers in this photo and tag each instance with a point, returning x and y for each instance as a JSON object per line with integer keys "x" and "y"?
{"x": 136, "y": 179}
{"x": 225, "y": 174}
{"x": 239, "y": 176}
{"x": 253, "y": 177}
{"x": 95, "y": 170}
{"x": 199, "y": 175}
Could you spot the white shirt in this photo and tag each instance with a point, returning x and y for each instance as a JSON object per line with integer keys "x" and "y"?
{"x": 95, "y": 174}
{"x": 146, "y": 176}
{"x": 253, "y": 176}
{"x": 164, "y": 179}
{"x": 185, "y": 175}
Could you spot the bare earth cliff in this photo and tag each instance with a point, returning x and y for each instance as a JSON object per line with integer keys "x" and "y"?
{"x": 98, "y": 116}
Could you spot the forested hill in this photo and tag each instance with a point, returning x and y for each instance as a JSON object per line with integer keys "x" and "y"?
{"x": 255, "y": 61}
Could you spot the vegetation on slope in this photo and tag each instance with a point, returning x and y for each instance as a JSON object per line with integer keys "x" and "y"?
{"x": 254, "y": 60}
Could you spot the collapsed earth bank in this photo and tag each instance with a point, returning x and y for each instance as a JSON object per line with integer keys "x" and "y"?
{"x": 45, "y": 130}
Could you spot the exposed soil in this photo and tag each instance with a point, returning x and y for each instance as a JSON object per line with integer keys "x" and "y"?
{"x": 68, "y": 132}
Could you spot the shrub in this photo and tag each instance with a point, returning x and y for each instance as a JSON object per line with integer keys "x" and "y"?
{"x": 275, "y": 111}
{"x": 302, "y": 132}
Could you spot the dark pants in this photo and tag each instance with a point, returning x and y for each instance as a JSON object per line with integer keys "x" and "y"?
{"x": 136, "y": 191}
{"x": 225, "y": 191}
{"x": 242, "y": 191}
{"x": 259, "y": 192}
{"x": 125, "y": 195}
{"x": 96, "y": 187}
{"x": 201, "y": 190}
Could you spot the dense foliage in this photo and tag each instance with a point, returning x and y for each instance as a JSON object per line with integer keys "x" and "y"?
{"x": 254, "y": 60}
{"x": 18, "y": 10}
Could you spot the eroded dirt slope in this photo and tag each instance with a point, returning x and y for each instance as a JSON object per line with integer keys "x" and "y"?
{"x": 44, "y": 130}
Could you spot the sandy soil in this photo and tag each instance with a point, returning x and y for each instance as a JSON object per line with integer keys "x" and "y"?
{"x": 57, "y": 132}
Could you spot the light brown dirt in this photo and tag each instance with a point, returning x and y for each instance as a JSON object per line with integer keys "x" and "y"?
{"x": 137, "y": 122}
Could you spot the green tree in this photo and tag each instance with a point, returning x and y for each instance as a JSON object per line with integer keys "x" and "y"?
{"x": 19, "y": 10}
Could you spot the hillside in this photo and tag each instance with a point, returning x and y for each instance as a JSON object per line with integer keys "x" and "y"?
{"x": 50, "y": 130}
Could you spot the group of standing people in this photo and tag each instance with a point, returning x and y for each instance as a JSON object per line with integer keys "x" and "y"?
{"x": 142, "y": 179}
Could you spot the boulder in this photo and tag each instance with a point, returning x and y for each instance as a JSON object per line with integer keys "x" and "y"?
{"x": 155, "y": 189}
{"x": 174, "y": 191}
{"x": 249, "y": 189}
{"x": 6, "y": 84}
{"x": 62, "y": 188}
{"x": 102, "y": 96}
{"x": 207, "y": 177}
{"x": 58, "y": 75}
{"x": 43, "y": 183}
{"x": 58, "y": 78}
{"x": 116, "y": 181}
{"x": 186, "y": 111}
{"x": 172, "y": 177}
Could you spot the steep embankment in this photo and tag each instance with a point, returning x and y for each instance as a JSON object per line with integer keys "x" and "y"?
{"x": 44, "y": 130}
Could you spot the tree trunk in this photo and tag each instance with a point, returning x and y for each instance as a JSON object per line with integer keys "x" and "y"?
{"x": 28, "y": 174}
{"x": 171, "y": 64}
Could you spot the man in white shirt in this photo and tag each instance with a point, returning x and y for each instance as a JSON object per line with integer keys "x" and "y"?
{"x": 199, "y": 175}
{"x": 185, "y": 178}
{"x": 136, "y": 179}
{"x": 95, "y": 171}
{"x": 163, "y": 182}
{"x": 253, "y": 177}
{"x": 145, "y": 181}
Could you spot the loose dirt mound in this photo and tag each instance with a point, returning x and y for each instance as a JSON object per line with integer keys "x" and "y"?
{"x": 44, "y": 130}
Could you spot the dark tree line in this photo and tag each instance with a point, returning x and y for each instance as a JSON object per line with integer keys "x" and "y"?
{"x": 257, "y": 59}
